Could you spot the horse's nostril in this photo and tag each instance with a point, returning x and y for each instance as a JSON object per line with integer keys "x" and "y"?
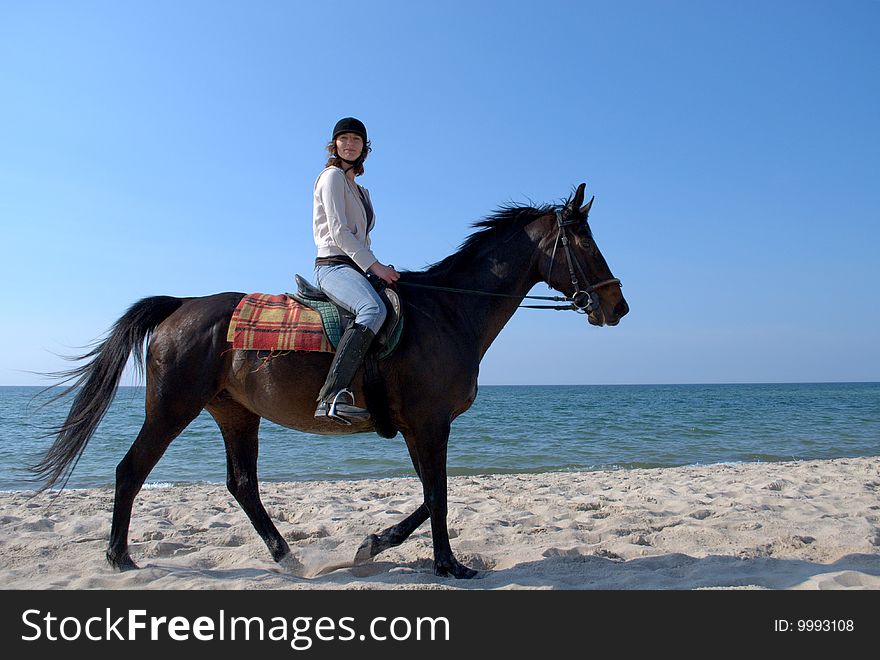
{"x": 621, "y": 309}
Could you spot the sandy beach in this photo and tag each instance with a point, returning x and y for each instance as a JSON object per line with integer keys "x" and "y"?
{"x": 796, "y": 525}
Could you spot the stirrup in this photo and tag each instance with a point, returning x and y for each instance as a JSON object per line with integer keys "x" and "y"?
{"x": 342, "y": 412}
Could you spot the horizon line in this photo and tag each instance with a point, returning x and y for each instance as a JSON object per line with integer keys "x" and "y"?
{"x": 768, "y": 382}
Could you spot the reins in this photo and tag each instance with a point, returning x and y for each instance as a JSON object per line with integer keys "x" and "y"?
{"x": 474, "y": 292}
{"x": 580, "y": 301}
{"x": 570, "y": 307}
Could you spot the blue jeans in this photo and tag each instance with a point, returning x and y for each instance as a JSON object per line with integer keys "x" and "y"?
{"x": 350, "y": 289}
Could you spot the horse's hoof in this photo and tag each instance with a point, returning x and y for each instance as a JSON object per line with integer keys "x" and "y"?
{"x": 121, "y": 563}
{"x": 454, "y": 569}
{"x": 291, "y": 564}
{"x": 369, "y": 549}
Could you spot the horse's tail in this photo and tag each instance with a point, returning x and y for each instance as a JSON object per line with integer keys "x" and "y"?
{"x": 97, "y": 381}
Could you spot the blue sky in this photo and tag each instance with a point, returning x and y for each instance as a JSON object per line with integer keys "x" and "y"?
{"x": 733, "y": 148}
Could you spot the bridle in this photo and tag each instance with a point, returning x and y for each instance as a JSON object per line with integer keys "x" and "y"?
{"x": 583, "y": 300}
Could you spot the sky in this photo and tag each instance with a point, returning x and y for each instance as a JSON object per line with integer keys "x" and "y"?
{"x": 733, "y": 149}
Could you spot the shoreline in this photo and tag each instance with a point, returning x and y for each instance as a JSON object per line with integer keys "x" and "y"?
{"x": 163, "y": 484}
{"x": 782, "y": 525}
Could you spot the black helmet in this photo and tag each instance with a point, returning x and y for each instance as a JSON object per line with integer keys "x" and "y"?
{"x": 350, "y": 125}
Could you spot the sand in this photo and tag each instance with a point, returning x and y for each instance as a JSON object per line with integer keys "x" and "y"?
{"x": 794, "y": 525}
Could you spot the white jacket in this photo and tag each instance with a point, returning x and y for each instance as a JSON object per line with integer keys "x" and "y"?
{"x": 339, "y": 220}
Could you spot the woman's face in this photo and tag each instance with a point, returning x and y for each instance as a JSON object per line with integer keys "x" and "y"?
{"x": 349, "y": 145}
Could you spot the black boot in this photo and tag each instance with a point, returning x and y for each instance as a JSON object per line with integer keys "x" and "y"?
{"x": 336, "y": 400}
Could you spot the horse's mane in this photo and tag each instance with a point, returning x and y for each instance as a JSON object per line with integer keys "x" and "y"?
{"x": 496, "y": 227}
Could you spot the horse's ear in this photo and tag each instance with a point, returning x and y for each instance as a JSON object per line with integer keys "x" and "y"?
{"x": 578, "y": 197}
{"x": 586, "y": 209}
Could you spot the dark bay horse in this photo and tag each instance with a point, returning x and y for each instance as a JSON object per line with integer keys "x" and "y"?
{"x": 430, "y": 379}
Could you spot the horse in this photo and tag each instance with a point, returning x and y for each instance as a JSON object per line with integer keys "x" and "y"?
{"x": 453, "y": 309}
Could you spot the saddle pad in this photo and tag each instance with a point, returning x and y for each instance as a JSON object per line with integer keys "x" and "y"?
{"x": 262, "y": 322}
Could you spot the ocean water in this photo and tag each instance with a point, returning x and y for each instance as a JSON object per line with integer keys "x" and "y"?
{"x": 510, "y": 429}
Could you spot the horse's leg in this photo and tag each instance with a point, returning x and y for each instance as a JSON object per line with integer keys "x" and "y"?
{"x": 162, "y": 425}
{"x": 391, "y": 537}
{"x": 240, "y": 427}
{"x": 429, "y": 442}
{"x": 396, "y": 534}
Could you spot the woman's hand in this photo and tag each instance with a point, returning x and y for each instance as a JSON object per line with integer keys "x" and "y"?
{"x": 387, "y": 273}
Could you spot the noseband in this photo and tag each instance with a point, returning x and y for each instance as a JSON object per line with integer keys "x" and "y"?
{"x": 583, "y": 299}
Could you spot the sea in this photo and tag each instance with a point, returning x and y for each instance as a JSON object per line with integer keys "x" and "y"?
{"x": 509, "y": 429}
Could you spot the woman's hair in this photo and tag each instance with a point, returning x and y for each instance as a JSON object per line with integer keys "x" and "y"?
{"x": 335, "y": 161}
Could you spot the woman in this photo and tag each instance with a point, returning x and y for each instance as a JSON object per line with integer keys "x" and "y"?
{"x": 342, "y": 220}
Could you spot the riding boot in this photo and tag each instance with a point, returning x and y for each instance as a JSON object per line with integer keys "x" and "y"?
{"x": 336, "y": 399}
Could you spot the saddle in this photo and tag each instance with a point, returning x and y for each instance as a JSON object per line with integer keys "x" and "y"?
{"x": 335, "y": 318}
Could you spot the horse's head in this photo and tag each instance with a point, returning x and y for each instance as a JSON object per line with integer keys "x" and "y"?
{"x": 570, "y": 262}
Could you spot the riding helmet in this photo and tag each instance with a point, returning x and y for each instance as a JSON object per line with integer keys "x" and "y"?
{"x": 350, "y": 125}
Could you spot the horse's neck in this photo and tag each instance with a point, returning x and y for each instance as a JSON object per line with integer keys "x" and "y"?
{"x": 505, "y": 272}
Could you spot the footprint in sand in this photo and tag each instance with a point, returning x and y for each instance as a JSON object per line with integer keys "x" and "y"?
{"x": 164, "y": 549}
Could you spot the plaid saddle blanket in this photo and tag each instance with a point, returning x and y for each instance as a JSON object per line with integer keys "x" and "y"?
{"x": 263, "y": 322}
